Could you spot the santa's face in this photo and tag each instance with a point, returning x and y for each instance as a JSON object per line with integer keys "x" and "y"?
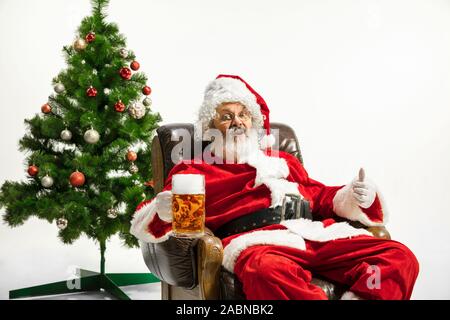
{"x": 234, "y": 121}
{"x": 232, "y": 118}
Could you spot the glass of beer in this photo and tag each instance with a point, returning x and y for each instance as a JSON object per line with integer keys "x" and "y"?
{"x": 188, "y": 205}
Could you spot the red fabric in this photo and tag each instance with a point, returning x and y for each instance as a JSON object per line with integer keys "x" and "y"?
{"x": 374, "y": 212}
{"x": 158, "y": 227}
{"x": 143, "y": 203}
{"x": 278, "y": 272}
{"x": 230, "y": 193}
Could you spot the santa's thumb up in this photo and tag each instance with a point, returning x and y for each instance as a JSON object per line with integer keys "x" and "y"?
{"x": 361, "y": 175}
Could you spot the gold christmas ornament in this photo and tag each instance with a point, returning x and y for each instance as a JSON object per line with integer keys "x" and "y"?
{"x": 79, "y": 44}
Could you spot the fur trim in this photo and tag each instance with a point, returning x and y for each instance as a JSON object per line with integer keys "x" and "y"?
{"x": 260, "y": 237}
{"x": 139, "y": 224}
{"x": 272, "y": 172}
{"x": 224, "y": 90}
{"x": 278, "y": 189}
{"x": 348, "y": 295}
{"x": 315, "y": 230}
{"x": 267, "y": 167}
{"x": 345, "y": 206}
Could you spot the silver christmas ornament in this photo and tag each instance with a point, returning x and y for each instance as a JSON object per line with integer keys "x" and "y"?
{"x": 94, "y": 71}
{"x": 91, "y": 136}
{"x": 123, "y": 52}
{"x": 62, "y": 223}
{"x": 59, "y": 88}
{"x": 107, "y": 91}
{"x": 137, "y": 110}
{"x": 112, "y": 213}
{"x": 83, "y": 61}
{"x": 147, "y": 102}
{"x": 47, "y": 181}
{"x": 133, "y": 169}
{"x": 66, "y": 135}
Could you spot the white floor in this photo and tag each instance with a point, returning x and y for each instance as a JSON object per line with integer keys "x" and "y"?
{"x": 32, "y": 255}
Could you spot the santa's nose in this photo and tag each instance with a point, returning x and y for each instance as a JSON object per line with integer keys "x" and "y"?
{"x": 237, "y": 122}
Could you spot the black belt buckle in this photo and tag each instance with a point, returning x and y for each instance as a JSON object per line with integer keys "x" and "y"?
{"x": 291, "y": 207}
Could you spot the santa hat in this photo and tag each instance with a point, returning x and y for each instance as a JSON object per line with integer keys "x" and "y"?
{"x": 229, "y": 88}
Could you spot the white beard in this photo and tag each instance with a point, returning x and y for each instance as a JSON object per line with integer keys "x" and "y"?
{"x": 236, "y": 148}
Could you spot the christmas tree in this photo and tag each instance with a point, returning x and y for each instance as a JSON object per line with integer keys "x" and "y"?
{"x": 88, "y": 150}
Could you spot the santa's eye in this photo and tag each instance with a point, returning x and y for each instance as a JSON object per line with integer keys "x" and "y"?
{"x": 226, "y": 117}
{"x": 244, "y": 116}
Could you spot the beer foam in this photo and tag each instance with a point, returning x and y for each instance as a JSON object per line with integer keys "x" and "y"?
{"x": 188, "y": 184}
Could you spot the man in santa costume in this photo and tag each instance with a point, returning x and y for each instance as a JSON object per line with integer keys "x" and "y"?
{"x": 245, "y": 188}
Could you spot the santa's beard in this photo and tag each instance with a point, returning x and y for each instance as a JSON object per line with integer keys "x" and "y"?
{"x": 237, "y": 145}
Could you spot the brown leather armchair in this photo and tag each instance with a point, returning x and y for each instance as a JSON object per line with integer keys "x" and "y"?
{"x": 191, "y": 268}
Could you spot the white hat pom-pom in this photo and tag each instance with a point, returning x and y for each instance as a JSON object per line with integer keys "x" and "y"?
{"x": 267, "y": 141}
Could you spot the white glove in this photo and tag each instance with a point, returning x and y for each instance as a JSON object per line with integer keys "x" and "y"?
{"x": 364, "y": 191}
{"x": 163, "y": 205}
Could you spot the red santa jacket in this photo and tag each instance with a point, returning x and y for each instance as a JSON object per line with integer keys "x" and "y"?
{"x": 234, "y": 190}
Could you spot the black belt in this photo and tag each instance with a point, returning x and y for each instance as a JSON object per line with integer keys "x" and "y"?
{"x": 293, "y": 207}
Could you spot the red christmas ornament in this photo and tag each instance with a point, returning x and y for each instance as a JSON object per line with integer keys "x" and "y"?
{"x": 46, "y": 108}
{"x": 119, "y": 106}
{"x": 77, "y": 179}
{"x": 90, "y": 37}
{"x": 135, "y": 65}
{"x": 33, "y": 170}
{"x": 131, "y": 156}
{"x": 146, "y": 90}
{"x": 91, "y": 92}
{"x": 125, "y": 73}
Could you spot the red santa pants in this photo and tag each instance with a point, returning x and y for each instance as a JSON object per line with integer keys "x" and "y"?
{"x": 372, "y": 268}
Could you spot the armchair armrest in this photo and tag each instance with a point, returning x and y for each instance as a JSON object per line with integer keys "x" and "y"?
{"x": 209, "y": 261}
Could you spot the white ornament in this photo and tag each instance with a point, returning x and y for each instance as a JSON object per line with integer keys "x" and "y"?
{"x": 47, "y": 181}
{"x": 66, "y": 135}
{"x": 133, "y": 169}
{"x": 123, "y": 52}
{"x": 147, "y": 102}
{"x": 83, "y": 61}
{"x": 59, "y": 88}
{"x": 91, "y": 136}
{"x": 112, "y": 213}
{"x": 137, "y": 110}
{"x": 62, "y": 223}
{"x": 107, "y": 91}
{"x": 94, "y": 71}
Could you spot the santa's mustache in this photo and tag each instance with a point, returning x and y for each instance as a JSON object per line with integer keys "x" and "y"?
{"x": 236, "y": 131}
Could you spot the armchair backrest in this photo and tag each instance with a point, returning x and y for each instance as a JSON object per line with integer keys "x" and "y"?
{"x": 163, "y": 144}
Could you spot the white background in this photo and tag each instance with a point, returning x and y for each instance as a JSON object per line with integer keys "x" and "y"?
{"x": 363, "y": 83}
